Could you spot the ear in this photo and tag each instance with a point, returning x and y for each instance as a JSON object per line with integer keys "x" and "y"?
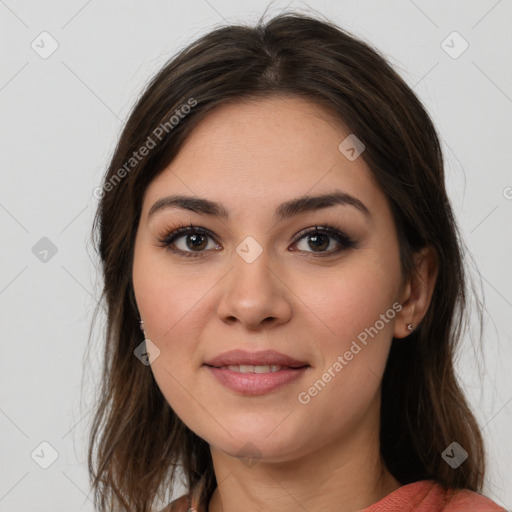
{"x": 417, "y": 291}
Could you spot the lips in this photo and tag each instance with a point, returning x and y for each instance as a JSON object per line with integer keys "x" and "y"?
{"x": 253, "y": 384}
{"x": 255, "y": 362}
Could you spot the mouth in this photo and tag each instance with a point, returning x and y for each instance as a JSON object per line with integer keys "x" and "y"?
{"x": 255, "y": 373}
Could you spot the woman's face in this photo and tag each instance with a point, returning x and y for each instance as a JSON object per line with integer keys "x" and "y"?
{"x": 258, "y": 278}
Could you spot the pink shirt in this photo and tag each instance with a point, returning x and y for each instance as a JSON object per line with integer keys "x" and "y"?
{"x": 429, "y": 496}
{"x": 422, "y": 496}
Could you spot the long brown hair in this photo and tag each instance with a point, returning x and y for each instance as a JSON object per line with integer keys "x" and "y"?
{"x": 136, "y": 441}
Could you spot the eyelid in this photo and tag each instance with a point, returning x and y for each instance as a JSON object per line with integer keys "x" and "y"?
{"x": 322, "y": 229}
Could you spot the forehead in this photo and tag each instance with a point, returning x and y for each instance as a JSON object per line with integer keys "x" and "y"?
{"x": 262, "y": 151}
{"x": 275, "y": 129}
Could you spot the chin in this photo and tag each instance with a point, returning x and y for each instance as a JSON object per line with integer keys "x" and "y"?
{"x": 255, "y": 444}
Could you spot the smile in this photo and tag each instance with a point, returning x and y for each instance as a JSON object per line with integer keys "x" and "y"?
{"x": 249, "y": 368}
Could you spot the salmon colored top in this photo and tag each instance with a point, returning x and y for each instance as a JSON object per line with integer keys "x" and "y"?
{"x": 422, "y": 496}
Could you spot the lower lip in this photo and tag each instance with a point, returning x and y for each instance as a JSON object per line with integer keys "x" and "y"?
{"x": 256, "y": 383}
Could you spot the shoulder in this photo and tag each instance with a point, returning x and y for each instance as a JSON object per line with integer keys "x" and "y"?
{"x": 461, "y": 500}
{"x": 430, "y": 496}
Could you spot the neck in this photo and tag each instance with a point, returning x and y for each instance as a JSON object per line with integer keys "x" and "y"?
{"x": 344, "y": 475}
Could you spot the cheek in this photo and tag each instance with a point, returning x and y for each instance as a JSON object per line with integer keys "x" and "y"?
{"x": 172, "y": 313}
{"x": 173, "y": 305}
{"x": 357, "y": 318}
{"x": 360, "y": 318}
{"x": 169, "y": 298}
{"x": 353, "y": 299}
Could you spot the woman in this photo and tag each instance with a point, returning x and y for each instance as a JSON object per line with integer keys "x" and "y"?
{"x": 284, "y": 285}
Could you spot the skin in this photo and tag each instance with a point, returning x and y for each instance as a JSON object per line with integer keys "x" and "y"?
{"x": 251, "y": 156}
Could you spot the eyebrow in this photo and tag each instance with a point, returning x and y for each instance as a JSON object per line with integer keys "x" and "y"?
{"x": 283, "y": 211}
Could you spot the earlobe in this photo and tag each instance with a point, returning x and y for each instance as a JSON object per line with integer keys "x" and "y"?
{"x": 417, "y": 292}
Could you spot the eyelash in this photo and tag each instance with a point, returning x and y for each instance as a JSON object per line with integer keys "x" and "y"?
{"x": 344, "y": 240}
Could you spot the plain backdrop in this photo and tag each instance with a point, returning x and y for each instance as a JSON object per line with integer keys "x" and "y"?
{"x": 61, "y": 114}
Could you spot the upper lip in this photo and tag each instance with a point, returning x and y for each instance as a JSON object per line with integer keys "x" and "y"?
{"x": 262, "y": 358}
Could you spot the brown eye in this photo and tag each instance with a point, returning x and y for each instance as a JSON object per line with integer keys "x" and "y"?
{"x": 319, "y": 239}
{"x": 193, "y": 241}
{"x": 188, "y": 241}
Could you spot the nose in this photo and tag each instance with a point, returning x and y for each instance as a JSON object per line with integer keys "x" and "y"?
{"x": 255, "y": 293}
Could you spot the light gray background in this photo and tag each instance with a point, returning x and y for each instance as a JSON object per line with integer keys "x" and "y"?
{"x": 60, "y": 120}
